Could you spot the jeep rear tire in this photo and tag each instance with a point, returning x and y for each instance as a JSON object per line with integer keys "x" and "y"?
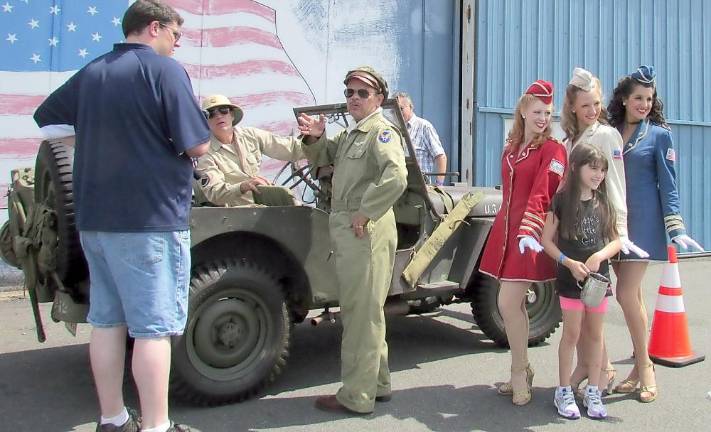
{"x": 237, "y": 336}
{"x": 544, "y": 312}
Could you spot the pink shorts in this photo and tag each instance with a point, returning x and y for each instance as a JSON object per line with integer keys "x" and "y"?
{"x": 567, "y": 303}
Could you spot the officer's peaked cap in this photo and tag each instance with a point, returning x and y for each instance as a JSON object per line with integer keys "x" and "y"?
{"x": 369, "y": 76}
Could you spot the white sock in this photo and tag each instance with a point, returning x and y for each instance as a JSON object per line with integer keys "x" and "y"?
{"x": 161, "y": 428}
{"x": 118, "y": 420}
{"x": 591, "y": 388}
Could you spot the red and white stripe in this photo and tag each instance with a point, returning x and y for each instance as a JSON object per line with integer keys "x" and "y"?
{"x": 231, "y": 47}
{"x": 670, "y": 298}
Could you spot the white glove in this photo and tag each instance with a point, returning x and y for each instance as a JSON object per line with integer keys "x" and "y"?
{"x": 628, "y": 246}
{"x": 529, "y": 242}
{"x": 685, "y": 242}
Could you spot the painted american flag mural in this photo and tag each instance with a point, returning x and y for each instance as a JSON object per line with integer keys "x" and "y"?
{"x": 229, "y": 47}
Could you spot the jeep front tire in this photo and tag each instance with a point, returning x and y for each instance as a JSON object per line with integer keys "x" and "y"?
{"x": 236, "y": 340}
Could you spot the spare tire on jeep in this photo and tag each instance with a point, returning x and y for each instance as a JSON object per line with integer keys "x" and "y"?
{"x": 54, "y": 189}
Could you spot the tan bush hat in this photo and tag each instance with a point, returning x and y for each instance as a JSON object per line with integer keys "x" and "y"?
{"x": 220, "y": 100}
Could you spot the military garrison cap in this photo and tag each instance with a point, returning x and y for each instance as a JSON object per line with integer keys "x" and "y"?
{"x": 644, "y": 74}
{"x": 582, "y": 79}
{"x": 369, "y": 76}
{"x": 541, "y": 89}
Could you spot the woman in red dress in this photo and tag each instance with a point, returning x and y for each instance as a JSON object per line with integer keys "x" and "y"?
{"x": 533, "y": 165}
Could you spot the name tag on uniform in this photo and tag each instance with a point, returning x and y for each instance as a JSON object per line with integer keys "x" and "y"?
{"x": 671, "y": 155}
{"x": 556, "y": 167}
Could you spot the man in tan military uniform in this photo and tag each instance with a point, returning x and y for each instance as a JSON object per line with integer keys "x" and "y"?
{"x": 369, "y": 176}
{"x": 230, "y": 170}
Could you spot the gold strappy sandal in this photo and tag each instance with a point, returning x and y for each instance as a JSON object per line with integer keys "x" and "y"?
{"x": 506, "y": 388}
{"x": 648, "y": 394}
{"x": 522, "y": 397}
{"x": 610, "y": 374}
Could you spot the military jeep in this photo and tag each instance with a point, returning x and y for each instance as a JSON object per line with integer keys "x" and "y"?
{"x": 257, "y": 271}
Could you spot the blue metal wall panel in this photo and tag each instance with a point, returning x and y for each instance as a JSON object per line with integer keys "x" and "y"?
{"x": 519, "y": 41}
{"x": 426, "y": 56}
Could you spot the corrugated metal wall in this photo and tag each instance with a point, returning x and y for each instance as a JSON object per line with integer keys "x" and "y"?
{"x": 426, "y": 49}
{"x": 521, "y": 40}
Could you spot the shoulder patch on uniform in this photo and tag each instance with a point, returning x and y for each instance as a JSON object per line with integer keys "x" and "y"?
{"x": 616, "y": 154}
{"x": 556, "y": 167}
{"x": 671, "y": 155}
{"x": 385, "y": 136}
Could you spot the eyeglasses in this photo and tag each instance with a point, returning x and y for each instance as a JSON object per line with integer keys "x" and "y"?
{"x": 176, "y": 34}
{"x": 362, "y": 93}
{"x": 212, "y": 112}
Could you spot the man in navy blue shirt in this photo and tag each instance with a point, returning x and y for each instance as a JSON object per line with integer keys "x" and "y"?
{"x": 137, "y": 127}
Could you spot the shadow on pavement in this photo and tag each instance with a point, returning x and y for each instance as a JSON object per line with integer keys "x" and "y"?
{"x": 315, "y": 351}
{"x": 52, "y": 389}
{"x": 442, "y": 408}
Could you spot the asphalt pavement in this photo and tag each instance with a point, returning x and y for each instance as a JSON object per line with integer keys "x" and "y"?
{"x": 443, "y": 372}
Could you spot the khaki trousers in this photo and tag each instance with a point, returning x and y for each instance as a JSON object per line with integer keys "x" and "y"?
{"x": 364, "y": 268}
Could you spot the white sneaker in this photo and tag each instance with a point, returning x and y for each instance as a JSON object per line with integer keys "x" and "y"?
{"x": 564, "y": 401}
{"x": 593, "y": 402}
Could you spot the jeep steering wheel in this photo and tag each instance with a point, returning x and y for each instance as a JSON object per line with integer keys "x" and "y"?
{"x": 299, "y": 175}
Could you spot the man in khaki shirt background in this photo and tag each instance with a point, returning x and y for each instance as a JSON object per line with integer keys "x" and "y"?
{"x": 229, "y": 172}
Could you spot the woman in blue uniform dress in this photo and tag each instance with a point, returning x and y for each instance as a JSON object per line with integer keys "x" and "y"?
{"x": 652, "y": 205}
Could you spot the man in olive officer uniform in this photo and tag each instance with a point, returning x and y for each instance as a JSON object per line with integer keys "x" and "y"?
{"x": 230, "y": 170}
{"x": 369, "y": 176}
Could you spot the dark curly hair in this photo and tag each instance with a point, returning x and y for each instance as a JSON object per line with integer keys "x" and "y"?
{"x": 616, "y": 110}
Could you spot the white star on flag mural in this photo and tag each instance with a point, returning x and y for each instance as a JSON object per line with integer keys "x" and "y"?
{"x": 46, "y": 43}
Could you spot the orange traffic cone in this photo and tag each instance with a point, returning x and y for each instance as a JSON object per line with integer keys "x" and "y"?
{"x": 669, "y": 343}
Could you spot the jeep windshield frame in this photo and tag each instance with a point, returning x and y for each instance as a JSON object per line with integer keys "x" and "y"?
{"x": 338, "y": 114}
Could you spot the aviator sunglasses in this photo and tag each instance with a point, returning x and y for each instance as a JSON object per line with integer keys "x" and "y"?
{"x": 224, "y": 110}
{"x": 362, "y": 93}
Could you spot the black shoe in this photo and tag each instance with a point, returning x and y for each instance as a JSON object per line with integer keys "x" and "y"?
{"x": 383, "y": 398}
{"x": 133, "y": 424}
{"x": 331, "y": 404}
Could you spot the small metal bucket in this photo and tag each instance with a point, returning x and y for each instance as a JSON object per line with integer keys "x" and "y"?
{"x": 593, "y": 289}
